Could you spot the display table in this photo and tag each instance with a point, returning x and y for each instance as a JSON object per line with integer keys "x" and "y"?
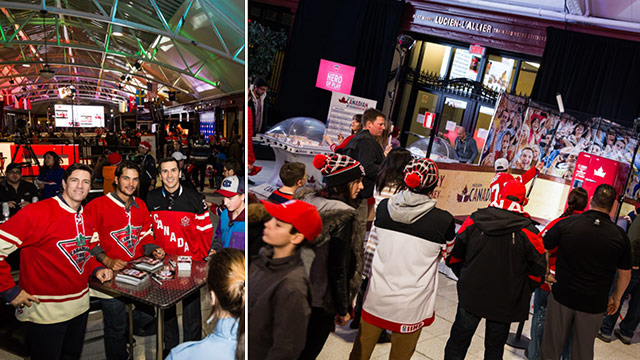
{"x": 160, "y": 296}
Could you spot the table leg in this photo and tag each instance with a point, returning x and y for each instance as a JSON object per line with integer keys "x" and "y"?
{"x": 130, "y": 313}
{"x": 160, "y": 335}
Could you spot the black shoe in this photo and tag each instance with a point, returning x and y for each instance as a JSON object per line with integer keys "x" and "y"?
{"x": 603, "y": 337}
{"x": 385, "y": 337}
{"x": 251, "y": 182}
{"x": 150, "y": 329}
{"x": 625, "y": 339}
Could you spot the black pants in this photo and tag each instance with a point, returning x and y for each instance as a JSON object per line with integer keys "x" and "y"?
{"x": 62, "y": 340}
{"x": 199, "y": 173}
{"x": 320, "y": 325}
{"x": 462, "y": 331}
{"x": 191, "y": 322}
{"x": 143, "y": 190}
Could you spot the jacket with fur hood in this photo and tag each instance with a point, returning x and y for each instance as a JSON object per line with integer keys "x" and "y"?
{"x": 334, "y": 260}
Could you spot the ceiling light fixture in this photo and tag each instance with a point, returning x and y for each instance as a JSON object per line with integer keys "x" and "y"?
{"x": 116, "y": 30}
{"x": 46, "y": 71}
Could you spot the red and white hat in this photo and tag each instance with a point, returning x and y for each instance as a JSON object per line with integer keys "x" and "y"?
{"x": 231, "y": 186}
{"x": 145, "y": 144}
{"x": 301, "y": 215}
{"x": 114, "y": 158}
{"x": 420, "y": 174}
{"x": 338, "y": 169}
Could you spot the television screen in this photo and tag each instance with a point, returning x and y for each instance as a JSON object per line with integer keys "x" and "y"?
{"x": 79, "y": 116}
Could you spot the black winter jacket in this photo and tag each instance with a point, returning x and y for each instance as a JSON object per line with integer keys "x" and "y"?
{"x": 366, "y": 149}
{"x": 499, "y": 259}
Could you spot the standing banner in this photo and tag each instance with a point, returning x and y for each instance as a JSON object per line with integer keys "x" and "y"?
{"x": 342, "y": 108}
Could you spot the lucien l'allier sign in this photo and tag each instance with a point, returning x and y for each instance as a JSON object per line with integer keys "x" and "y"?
{"x": 496, "y": 30}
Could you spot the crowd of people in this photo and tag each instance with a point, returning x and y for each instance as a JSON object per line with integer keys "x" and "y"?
{"x": 316, "y": 260}
{"x": 59, "y": 240}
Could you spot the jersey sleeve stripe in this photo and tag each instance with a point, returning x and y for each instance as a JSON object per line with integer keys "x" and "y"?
{"x": 202, "y": 217}
{"x": 535, "y": 240}
{"x": 203, "y": 228}
{"x": 7, "y": 236}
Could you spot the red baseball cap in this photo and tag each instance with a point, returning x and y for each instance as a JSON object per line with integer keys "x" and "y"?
{"x": 515, "y": 189}
{"x": 301, "y": 215}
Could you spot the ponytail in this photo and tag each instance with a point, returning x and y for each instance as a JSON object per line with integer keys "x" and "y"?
{"x": 576, "y": 201}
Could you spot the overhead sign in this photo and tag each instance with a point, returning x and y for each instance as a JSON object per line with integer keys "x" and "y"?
{"x": 79, "y": 115}
{"x": 336, "y": 77}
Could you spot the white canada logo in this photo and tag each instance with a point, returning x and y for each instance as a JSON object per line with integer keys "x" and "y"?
{"x": 184, "y": 221}
{"x": 600, "y": 172}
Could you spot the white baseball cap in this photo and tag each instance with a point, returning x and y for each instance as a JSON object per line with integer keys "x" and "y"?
{"x": 501, "y": 164}
{"x": 179, "y": 156}
{"x": 230, "y": 187}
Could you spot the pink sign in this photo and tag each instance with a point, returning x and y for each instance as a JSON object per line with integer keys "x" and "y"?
{"x": 336, "y": 77}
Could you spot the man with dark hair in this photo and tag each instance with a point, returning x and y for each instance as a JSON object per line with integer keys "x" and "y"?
{"x": 257, "y": 104}
{"x": 499, "y": 259}
{"x": 293, "y": 176}
{"x": 56, "y": 241}
{"x": 182, "y": 227}
{"x": 591, "y": 249}
{"x": 15, "y": 191}
{"x": 123, "y": 227}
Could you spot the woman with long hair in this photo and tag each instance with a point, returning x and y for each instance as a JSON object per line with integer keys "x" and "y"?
{"x": 356, "y": 126}
{"x": 50, "y": 177}
{"x": 335, "y": 256}
{"x": 226, "y": 283}
{"x": 576, "y": 203}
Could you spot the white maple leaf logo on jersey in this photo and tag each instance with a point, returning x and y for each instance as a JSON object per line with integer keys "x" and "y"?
{"x": 76, "y": 251}
{"x": 127, "y": 238}
{"x": 184, "y": 221}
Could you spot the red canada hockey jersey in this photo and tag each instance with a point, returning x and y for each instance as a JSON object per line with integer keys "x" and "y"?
{"x": 502, "y": 178}
{"x": 122, "y": 234}
{"x": 55, "y": 262}
{"x": 181, "y": 222}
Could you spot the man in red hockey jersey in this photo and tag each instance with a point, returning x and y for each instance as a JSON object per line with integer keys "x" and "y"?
{"x": 53, "y": 291}
{"x": 182, "y": 227}
{"x": 502, "y": 177}
{"x": 123, "y": 226}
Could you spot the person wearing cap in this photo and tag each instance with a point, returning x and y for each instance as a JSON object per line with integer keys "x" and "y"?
{"x": 15, "y": 191}
{"x": 148, "y": 171}
{"x": 182, "y": 226}
{"x": 336, "y": 257}
{"x": 278, "y": 304}
{"x": 499, "y": 259}
{"x": 185, "y": 179}
{"x": 230, "y": 229}
{"x": 412, "y": 235}
{"x": 109, "y": 172}
{"x": 593, "y": 253}
{"x": 502, "y": 176}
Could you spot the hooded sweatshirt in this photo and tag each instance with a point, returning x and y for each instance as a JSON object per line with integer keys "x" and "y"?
{"x": 499, "y": 259}
{"x": 412, "y": 234}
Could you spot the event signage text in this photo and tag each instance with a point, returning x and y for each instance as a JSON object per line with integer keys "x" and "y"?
{"x": 336, "y": 77}
{"x": 342, "y": 108}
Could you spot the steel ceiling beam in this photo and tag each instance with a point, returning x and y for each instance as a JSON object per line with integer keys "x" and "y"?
{"x": 129, "y": 24}
{"x": 183, "y": 18}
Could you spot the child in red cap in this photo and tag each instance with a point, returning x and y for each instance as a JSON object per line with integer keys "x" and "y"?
{"x": 279, "y": 294}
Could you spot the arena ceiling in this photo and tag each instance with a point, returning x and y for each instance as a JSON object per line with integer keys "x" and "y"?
{"x": 109, "y": 49}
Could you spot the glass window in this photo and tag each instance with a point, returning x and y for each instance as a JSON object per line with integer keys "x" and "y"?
{"x": 465, "y": 65}
{"x": 435, "y": 59}
{"x": 415, "y": 54}
{"x": 425, "y": 103}
{"x": 526, "y": 77}
{"x": 499, "y": 73}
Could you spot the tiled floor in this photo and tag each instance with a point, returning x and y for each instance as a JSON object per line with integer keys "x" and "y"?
{"x": 433, "y": 338}
{"x": 145, "y": 347}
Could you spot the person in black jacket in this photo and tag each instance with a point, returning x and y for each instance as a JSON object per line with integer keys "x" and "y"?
{"x": 148, "y": 171}
{"x": 17, "y": 192}
{"x": 336, "y": 258}
{"x": 279, "y": 298}
{"x": 499, "y": 259}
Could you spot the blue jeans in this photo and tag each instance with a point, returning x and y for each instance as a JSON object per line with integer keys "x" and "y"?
{"x": 629, "y": 324}
{"x": 540, "y": 298}
{"x": 462, "y": 331}
{"x": 115, "y": 318}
